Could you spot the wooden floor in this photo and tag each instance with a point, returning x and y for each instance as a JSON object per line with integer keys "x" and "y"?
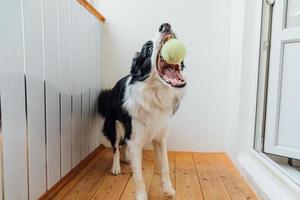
{"x": 196, "y": 176}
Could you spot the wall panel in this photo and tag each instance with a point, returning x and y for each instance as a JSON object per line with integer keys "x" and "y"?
{"x": 98, "y": 74}
{"x": 92, "y": 55}
{"x": 85, "y": 83}
{"x": 52, "y": 78}
{"x": 65, "y": 40}
{"x": 76, "y": 81}
{"x": 13, "y": 101}
{"x": 35, "y": 76}
{"x": 49, "y": 74}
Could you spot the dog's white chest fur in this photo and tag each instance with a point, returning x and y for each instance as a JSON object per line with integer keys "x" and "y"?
{"x": 151, "y": 105}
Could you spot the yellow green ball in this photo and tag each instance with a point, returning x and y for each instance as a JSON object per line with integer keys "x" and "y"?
{"x": 173, "y": 51}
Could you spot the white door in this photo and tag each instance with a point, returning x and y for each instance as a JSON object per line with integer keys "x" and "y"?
{"x": 282, "y": 131}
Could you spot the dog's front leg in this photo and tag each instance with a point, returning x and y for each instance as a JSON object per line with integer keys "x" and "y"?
{"x": 160, "y": 148}
{"x": 135, "y": 150}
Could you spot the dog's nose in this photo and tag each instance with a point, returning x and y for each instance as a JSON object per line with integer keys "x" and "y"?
{"x": 165, "y": 27}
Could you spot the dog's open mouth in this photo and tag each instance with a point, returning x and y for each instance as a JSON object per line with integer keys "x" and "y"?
{"x": 170, "y": 73}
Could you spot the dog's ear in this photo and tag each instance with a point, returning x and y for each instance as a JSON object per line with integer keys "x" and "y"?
{"x": 141, "y": 63}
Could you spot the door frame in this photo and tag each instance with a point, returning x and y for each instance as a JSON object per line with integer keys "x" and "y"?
{"x": 263, "y": 73}
{"x": 263, "y": 76}
{"x": 268, "y": 179}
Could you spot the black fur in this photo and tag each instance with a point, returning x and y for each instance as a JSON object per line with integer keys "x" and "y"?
{"x": 141, "y": 63}
{"x": 110, "y": 102}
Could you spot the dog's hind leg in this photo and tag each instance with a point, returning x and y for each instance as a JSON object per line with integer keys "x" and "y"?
{"x": 125, "y": 154}
{"x": 116, "y": 167}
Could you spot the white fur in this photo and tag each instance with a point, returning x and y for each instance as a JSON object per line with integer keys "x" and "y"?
{"x": 116, "y": 167}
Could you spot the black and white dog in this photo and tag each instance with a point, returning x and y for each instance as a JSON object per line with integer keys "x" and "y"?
{"x": 137, "y": 110}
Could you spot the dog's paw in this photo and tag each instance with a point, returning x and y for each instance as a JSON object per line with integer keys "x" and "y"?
{"x": 116, "y": 170}
{"x": 141, "y": 196}
{"x": 169, "y": 191}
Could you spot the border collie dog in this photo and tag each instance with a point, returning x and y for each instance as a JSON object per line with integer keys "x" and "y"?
{"x": 137, "y": 110}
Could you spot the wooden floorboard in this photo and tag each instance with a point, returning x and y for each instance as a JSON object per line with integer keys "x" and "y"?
{"x": 196, "y": 176}
{"x": 237, "y": 187}
{"x": 113, "y": 186}
{"x": 60, "y": 194}
{"x": 211, "y": 183}
{"x": 187, "y": 183}
{"x": 90, "y": 182}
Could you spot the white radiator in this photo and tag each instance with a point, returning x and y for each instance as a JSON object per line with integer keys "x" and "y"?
{"x": 50, "y": 77}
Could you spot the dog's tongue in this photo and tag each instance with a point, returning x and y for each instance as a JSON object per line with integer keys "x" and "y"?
{"x": 173, "y": 76}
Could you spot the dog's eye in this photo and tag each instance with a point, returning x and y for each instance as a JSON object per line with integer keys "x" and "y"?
{"x": 182, "y": 66}
{"x": 161, "y": 28}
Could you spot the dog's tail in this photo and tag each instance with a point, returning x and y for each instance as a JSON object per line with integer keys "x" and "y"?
{"x": 104, "y": 102}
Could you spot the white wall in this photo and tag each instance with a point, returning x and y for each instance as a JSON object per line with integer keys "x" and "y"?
{"x": 234, "y": 79}
{"x": 201, "y": 122}
{"x": 245, "y": 45}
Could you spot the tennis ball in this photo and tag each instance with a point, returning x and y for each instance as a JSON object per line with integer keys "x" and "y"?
{"x": 173, "y": 51}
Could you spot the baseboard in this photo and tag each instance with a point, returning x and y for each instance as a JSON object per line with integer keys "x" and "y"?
{"x": 269, "y": 182}
{"x": 69, "y": 176}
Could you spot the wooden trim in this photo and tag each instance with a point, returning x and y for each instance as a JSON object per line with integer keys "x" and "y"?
{"x": 92, "y": 10}
{"x": 69, "y": 176}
